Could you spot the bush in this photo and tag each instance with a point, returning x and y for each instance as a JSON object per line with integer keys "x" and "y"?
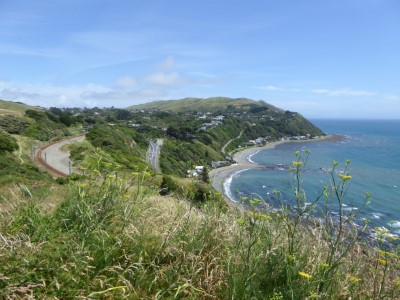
{"x": 13, "y": 124}
{"x": 7, "y": 142}
{"x": 168, "y": 185}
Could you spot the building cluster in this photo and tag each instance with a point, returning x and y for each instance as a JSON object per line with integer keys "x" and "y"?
{"x": 214, "y": 121}
{"x": 196, "y": 172}
{"x": 258, "y": 141}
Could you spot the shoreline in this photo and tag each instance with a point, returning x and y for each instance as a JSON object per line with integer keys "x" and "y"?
{"x": 220, "y": 175}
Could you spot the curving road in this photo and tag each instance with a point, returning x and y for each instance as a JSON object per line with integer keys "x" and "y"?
{"x": 228, "y": 142}
{"x": 153, "y": 154}
{"x": 55, "y": 160}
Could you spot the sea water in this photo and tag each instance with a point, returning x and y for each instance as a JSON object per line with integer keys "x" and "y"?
{"x": 372, "y": 146}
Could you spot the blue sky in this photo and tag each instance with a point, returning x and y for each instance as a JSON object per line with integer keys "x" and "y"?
{"x": 326, "y": 59}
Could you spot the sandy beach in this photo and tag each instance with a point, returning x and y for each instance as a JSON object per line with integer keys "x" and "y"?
{"x": 219, "y": 175}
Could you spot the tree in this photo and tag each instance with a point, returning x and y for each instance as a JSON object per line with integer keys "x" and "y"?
{"x": 204, "y": 175}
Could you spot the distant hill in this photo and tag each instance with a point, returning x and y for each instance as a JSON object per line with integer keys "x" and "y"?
{"x": 213, "y": 104}
{"x": 9, "y": 107}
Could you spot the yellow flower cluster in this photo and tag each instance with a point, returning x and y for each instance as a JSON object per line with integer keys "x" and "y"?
{"x": 297, "y": 164}
{"x": 353, "y": 279}
{"x": 344, "y": 177}
{"x": 305, "y": 275}
{"x": 260, "y": 216}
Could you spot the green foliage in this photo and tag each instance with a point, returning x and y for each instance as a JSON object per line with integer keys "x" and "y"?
{"x": 168, "y": 185}
{"x": 13, "y": 124}
{"x": 125, "y": 145}
{"x": 13, "y": 171}
{"x": 7, "y": 142}
{"x": 43, "y": 128}
{"x": 178, "y": 156}
{"x": 204, "y": 175}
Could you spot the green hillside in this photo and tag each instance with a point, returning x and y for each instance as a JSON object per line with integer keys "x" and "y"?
{"x": 213, "y": 104}
{"x": 121, "y": 231}
{"x": 9, "y": 107}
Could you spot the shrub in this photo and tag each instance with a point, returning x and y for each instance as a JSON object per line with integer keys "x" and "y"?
{"x": 7, "y": 142}
{"x": 13, "y": 124}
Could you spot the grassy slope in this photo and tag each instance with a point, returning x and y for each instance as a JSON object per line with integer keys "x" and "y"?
{"x": 110, "y": 237}
{"x": 199, "y": 104}
{"x": 9, "y": 107}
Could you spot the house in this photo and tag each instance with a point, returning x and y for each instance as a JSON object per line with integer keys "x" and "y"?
{"x": 250, "y": 143}
{"x": 219, "y": 164}
{"x": 219, "y": 118}
{"x": 195, "y": 173}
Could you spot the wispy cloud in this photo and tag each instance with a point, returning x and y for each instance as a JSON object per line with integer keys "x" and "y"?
{"x": 392, "y": 98}
{"x": 126, "y": 82}
{"x": 344, "y": 92}
{"x": 50, "y": 95}
{"x": 126, "y": 90}
{"x": 10, "y": 49}
{"x": 163, "y": 78}
{"x": 274, "y": 88}
{"x": 269, "y": 88}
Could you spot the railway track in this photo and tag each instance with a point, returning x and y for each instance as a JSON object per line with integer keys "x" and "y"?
{"x": 41, "y": 162}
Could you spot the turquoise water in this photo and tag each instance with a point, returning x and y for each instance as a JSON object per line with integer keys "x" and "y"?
{"x": 374, "y": 150}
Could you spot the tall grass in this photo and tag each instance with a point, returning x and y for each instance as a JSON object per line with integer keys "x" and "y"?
{"x": 112, "y": 237}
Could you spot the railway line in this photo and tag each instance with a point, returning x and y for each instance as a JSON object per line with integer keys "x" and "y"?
{"x": 54, "y": 167}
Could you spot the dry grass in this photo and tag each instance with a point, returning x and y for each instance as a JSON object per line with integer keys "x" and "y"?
{"x": 144, "y": 246}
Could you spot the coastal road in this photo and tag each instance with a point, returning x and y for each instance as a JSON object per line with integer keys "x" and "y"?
{"x": 153, "y": 154}
{"x": 228, "y": 142}
{"x": 55, "y": 160}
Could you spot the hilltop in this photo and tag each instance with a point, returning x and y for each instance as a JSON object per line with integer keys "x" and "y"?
{"x": 213, "y": 104}
{"x": 9, "y": 107}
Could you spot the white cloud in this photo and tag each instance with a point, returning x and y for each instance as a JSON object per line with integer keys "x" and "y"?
{"x": 126, "y": 82}
{"x": 168, "y": 63}
{"x": 392, "y": 97}
{"x": 269, "y": 88}
{"x": 344, "y": 92}
{"x": 274, "y": 88}
{"x": 126, "y": 90}
{"x": 49, "y": 95}
{"x": 163, "y": 78}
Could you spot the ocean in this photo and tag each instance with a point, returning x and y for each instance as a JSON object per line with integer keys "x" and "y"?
{"x": 372, "y": 146}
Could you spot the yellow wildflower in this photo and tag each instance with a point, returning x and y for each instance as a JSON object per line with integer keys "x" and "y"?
{"x": 324, "y": 266}
{"x": 353, "y": 279}
{"x": 345, "y": 177}
{"x": 305, "y": 275}
{"x": 240, "y": 221}
{"x": 382, "y": 253}
{"x": 297, "y": 164}
{"x": 397, "y": 281}
{"x": 260, "y": 215}
{"x": 382, "y": 262}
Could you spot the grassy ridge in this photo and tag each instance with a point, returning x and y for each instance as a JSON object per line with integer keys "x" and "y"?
{"x": 9, "y": 107}
{"x": 213, "y": 104}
